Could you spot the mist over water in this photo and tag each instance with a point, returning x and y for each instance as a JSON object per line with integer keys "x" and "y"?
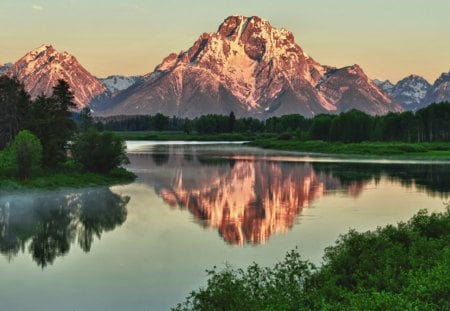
{"x": 146, "y": 245}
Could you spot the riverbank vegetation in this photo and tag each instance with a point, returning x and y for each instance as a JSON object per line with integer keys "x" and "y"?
{"x": 35, "y": 136}
{"x": 403, "y": 267}
{"x": 429, "y": 124}
{"x": 434, "y": 150}
{"x": 424, "y": 133}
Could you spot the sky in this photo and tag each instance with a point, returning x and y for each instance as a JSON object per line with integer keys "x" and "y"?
{"x": 389, "y": 39}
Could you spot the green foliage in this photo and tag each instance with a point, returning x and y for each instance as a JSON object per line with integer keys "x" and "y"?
{"x": 187, "y": 126}
{"x": 14, "y": 103}
{"x": 256, "y": 288}
{"x": 22, "y": 158}
{"x": 231, "y": 122}
{"x": 321, "y": 126}
{"x": 99, "y": 152}
{"x": 84, "y": 120}
{"x": 403, "y": 267}
{"x": 27, "y": 151}
{"x": 160, "y": 122}
{"x": 68, "y": 177}
{"x": 353, "y": 126}
{"x": 396, "y": 149}
{"x": 51, "y": 121}
{"x": 430, "y": 124}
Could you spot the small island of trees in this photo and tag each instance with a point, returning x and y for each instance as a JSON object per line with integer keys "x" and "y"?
{"x": 42, "y": 146}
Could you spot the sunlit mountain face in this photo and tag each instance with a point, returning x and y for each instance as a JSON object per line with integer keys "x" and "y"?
{"x": 246, "y": 200}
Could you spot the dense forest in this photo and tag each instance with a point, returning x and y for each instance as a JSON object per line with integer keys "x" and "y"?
{"x": 431, "y": 123}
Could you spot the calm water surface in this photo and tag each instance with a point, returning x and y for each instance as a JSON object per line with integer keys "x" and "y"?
{"x": 145, "y": 245}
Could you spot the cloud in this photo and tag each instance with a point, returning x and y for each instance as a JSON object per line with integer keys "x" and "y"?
{"x": 37, "y": 7}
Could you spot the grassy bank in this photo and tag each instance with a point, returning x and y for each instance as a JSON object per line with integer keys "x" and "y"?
{"x": 403, "y": 267}
{"x": 167, "y": 136}
{"x": 396, "y": 149}
{"x": 66, "y": 177}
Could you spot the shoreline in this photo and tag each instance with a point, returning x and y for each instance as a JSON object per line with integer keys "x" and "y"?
{"x": 364, "y": 150}
{"x": 59, "y": 179}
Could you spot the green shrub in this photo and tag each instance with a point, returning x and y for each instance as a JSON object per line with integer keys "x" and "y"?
{"x": 27, "y": 150}
{"x": 23, "y": 157}
{"x": 403, "y": 267}
{"x": 99, "y": 152}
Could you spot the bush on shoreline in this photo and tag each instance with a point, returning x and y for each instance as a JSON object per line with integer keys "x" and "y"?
{"x": 403, "y": 267}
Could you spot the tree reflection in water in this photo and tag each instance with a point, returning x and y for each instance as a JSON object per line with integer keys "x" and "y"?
{"x": 47, "y": 224}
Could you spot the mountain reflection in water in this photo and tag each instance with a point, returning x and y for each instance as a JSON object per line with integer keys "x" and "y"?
{"x": 248, "y": 200}
{"x": 46, "y": 224}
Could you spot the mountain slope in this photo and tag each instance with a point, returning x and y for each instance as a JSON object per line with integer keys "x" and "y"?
{"x": 117, "y": 83}
{"x": 350, "y": 88}
{"x": 440, "y": 91}
{"x": 251, "y": 68}
{"x": 41, "y": 68}
{"x": 410, "y": 92}
{"x": 385, "y": 85}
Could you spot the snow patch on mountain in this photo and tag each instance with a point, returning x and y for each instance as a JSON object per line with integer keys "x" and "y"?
{"x": 117, "y": 83}
{"x": 385, "y": 85}
{"x": 411, "y": 91}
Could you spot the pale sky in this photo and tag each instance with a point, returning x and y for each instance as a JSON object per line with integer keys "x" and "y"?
{"x": 389, "y": 39}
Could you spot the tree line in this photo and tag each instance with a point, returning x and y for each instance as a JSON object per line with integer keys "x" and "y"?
{"x": 431, "y": 123}
{"x": 40, "y": 134}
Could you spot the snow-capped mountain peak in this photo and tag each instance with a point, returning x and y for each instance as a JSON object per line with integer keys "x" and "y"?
{"x": 118, "y": 83}
{"x": 41, "y": 68}
{"x": 411, "y": 91}
{"x": 252, "y": 68}
{"x": 440, "y": 91}
{"x": 385, "y": 85}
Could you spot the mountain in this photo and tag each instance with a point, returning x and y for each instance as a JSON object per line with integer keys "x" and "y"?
{"x": 5, "y": 67}
{"x": 253, "y": 69}
{"x": 385, "y": 85}
{"x": 40, "y": 70}
{"x": 440, "y": 90}
{"x": 118, "y": 83}
{"x": 350, "y": 88}
{"x": 411, "y": 91}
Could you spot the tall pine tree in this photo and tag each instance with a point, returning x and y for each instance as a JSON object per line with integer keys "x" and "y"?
{"x": 50, "y": 119}
{"x": 14, "y": 103}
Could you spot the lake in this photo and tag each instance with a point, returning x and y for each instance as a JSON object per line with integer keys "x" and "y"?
{"x": 145, "y": 245}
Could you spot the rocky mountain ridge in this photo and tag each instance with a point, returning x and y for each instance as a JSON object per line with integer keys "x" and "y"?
{"x": 252, "y": 69}
{"x": 40, "y": 69}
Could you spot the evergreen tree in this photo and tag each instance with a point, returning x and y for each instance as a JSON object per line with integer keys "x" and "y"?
{"x": 231, "y": 121}
{"x": 14, "y": 103}
{"x": 51, "y": 120}
{"x": 85, "y": 120}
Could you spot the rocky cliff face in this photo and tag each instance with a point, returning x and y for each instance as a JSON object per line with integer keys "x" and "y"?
{"x": 40, "y": 70}
{"x": 385, "y": 85}
{"x": 253, "y": 69}
{"x": 440, "y": 90}
{"x": 410, "y": 92}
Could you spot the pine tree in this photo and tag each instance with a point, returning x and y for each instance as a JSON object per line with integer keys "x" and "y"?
{"x": 51, "y": 120}
{"x": 14, "y": 103}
